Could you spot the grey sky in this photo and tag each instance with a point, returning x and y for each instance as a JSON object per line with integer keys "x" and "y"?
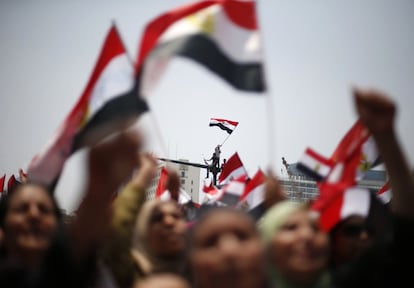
{"x": 315, "y": 51}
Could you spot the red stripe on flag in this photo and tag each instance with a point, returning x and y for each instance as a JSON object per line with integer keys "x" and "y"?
{"x": 331, "y": 213}
{"x": 157, "y": 27}
{"x": 239, "y": 12}
{"x": 242, "y": 13}
{"x": 111, "y": 48}
{"x": 2, "y": 181}
{"x": 232, "y": 164}
{"x": 384, "y": 188}
{"x": 257, "y": 180}
{"x": 161, "y": 183}
{"x": 11, "y": 183}
{"x": 353, "y": 139}
{"x": 225, "y": 120}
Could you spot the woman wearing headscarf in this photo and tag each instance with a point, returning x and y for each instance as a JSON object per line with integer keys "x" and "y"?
{"x": 226, "y": 250}
{"x": 158, "y": 240}
{"x": 297, "y": 250}
{"x": 146, "y": 236}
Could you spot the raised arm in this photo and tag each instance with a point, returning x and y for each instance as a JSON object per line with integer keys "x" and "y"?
{"x": 377, "y": 111}
{"x": 116, "y": 255}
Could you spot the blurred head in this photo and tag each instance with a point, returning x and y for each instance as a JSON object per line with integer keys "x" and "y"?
{"x": 29, "y": 219}
{"x": 350, "y": 238}
{"x": 366, "y": 221}
{"x": 297, "y": 249}
{"x": 160, "y": 229}
{"x": 226, "y": 250}
{"x": 162, "y": 280}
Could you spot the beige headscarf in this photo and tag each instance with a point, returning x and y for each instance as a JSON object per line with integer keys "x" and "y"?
{"x": 269, "y": 224}
{"x": 146, "y": 261}
{"x": 276, "y": 216}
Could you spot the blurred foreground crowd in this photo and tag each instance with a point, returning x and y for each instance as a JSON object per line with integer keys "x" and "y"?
{"x": 130, "y": 241}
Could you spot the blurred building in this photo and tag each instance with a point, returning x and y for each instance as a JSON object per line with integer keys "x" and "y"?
{"x": 300, "y": 187}
{"x": 189, "y": 179}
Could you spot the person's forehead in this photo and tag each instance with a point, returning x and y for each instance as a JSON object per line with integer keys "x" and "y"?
{"x": 167, "y": 206}
{"x": 30, "y": 192}
{"x": 223, "y": 221}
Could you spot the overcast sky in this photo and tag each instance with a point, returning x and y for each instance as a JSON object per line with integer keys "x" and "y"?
{"x": 315, "y": 52}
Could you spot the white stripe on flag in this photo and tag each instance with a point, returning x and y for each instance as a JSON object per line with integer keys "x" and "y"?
{"x": 256, "y": 196}
{"x": 221, "y": 35}
{"x": 239, "y": 44}
{"x": 315, "y": 164}
{"x": 240, "y": 171}
{"x": 356, "y": 201}
{"x": 117, "y": 78}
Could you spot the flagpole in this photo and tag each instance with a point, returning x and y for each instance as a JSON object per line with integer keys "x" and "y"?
{"x": 157, "y": 129}
{"x": 270, "y": 108}
{"x": 163, "y": 146}
{"x": 227, "y": 137}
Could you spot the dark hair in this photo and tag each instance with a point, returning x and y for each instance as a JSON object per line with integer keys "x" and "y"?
{"x": 5, "y": 200}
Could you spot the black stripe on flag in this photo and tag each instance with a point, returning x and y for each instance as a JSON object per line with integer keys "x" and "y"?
{"x": 247, "y": 77}
{"x": 116, "y": 113}
{"x": 221, "y": 126}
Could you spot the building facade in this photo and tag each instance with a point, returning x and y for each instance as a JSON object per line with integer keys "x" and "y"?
{"x": 300, "y": 187}
{"x": 189, "y": 180}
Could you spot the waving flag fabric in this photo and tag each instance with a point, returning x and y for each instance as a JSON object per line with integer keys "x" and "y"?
{"x": 11, "y": 183}
{"x": 161, "y": 187}
{"x": 351, "y": 201}
{"x": 314, "y": 165}
{"x": 2, "y": 181}
{"x": 253, "y": 193}
{"x": 233, "y": 168}
{"x": 109, "y": 103}
{"x": 222, "y": 36}
{"x": 385, "y": 193}
{"x": 233, "y": 190}
{"x": 163, "y": 194}
{"x": 370, "y": 157}
{"x": 224, "y": 124}
{"x": 210, "y": 193}
{"x": 357, "y": 144}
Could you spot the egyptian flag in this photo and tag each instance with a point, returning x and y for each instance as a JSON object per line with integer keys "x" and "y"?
{"x": 210, "y": 193}
{"x": 164, "y": 194}
{"x": 2, "y": 181}
{"x": 223, "y": 36}
{"x": 108, "y": 104}
{"x": 357, "y": 147}
{"x": 384, "y": 193}
{"x": 223, "y": 124}
{"x": 233, "y": 190}
{"x": 161, "y": 187}
{"x": 11, "y": 183}
{"x": 253, "y": 193}
{"x": 341, "y": 177}
{"x": 314, "y": 165}
{"x": 370, "y": 157}
{"x": 232, "y": 168}
{"x": 183, "y": 197}
{"x": 351, "y": 201}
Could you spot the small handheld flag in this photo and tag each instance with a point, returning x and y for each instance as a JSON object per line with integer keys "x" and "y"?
{"x": 223, "y": 124}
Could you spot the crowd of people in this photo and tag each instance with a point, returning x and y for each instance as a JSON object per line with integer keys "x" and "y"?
{"x": 130, "y": 241}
